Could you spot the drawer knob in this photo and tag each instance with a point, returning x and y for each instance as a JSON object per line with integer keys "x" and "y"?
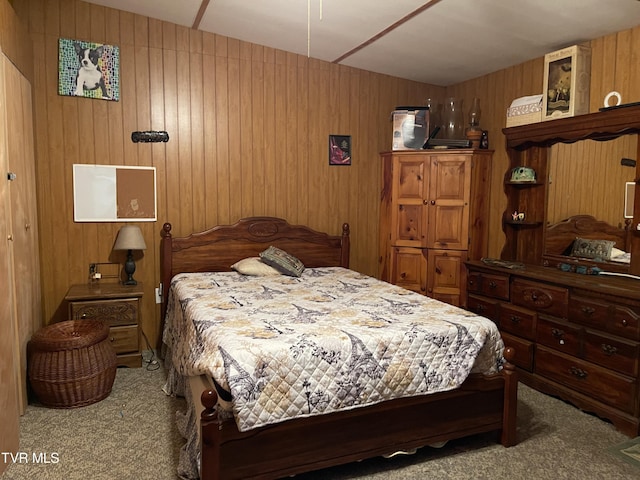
{"x": 588, "y": 311}
{"x": 480, "y": 308}
{"x": 558, "y": 334}
{"x": 83, "y": 316}
{"x": 625, "y": 322}
{"x": 609, "y": 349}
{"x": 515, "y": 319}
{"x": 493, "y": 285}
{"x": 578, "y": 372}
{"x": 112, "y": 339}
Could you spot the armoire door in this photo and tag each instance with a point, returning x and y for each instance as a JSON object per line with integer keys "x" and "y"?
{"x": 23, "y": 248}
{"x": 448, "y": 202}
{"x": 9, "y": 411}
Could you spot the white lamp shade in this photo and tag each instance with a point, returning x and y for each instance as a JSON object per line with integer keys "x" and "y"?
{"x": 130, "y": 238}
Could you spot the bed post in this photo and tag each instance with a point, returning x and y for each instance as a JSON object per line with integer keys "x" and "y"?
{"x": 209, "y": 437}
{"x": 165, "y": 276}
{"x": 508, "y": 435}
{"x": 344, "y": 260}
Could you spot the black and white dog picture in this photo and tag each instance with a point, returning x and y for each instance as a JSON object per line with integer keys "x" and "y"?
{"x": 88, "y": 69}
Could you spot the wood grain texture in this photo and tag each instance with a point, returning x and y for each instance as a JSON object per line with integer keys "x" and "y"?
{"x": 248, "y": 130}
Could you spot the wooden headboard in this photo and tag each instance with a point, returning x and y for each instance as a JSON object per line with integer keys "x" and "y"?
{"x": 559, "y": 238}
{"x": 218, "y": 248}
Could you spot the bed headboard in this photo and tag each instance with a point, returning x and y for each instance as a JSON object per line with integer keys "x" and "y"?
{"x": 559, "y": 238}
{"x": 220, "y": 247}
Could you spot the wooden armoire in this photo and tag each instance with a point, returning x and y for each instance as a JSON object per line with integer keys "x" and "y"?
{"x": 433, "y": 217}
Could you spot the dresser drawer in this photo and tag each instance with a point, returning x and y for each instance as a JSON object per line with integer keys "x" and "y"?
{"x": 606, "y": 316}
{"x": 612, "y": 352}
{"x": 540, "y": 297}
{"x": 561, "y": 336}
{"x": 523, "y": 351}
{"x": 518, "y": 321}
{"x": 596, "y": 382}
{"x": 492, "y": 285}
{"x": 486, "y": 307}
{"x": 112, "y": 312}
{"x": 124, "y": 339}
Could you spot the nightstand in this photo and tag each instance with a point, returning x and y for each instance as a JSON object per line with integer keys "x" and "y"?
{"x": 119, "y": 307}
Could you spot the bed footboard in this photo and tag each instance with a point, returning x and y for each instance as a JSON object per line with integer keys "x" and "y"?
{"x": 482, "y": 404}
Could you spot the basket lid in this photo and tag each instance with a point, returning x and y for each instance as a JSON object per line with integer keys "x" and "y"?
{"x": 68, "y": 335}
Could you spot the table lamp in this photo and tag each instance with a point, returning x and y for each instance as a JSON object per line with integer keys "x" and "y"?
{"x": 130, "y": 238}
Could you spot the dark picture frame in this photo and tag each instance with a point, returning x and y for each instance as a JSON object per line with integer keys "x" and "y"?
{"x": 339, "y": 149}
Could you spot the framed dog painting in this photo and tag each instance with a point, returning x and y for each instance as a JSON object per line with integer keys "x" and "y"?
{"x": 88, "y": 69}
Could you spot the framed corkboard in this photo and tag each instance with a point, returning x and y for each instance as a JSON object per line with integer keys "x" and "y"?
{"x": 109, "y": 193}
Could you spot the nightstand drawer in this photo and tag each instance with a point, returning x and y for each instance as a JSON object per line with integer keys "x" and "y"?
{"x": 597, "y": 382}
{"x": 540, "y": 297}
{"x": 124, "y": 339}
{"x": 518, "y": 321}
{"x": 112, "y": 312}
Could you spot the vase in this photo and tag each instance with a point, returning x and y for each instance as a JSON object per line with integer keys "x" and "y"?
{"x": 452, "y": 119}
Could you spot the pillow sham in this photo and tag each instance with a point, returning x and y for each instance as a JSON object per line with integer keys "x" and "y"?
{"x": 254, "y": 266}
{"x": 282, "y": 261}
{"x": 595, "y": 249}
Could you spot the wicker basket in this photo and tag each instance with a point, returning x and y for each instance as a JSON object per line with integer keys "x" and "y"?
{"x": 71, "y": 363}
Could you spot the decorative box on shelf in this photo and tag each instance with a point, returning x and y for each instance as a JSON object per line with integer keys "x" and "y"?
{"x": 567, "y": 77}
{"x": 525, "y": 110}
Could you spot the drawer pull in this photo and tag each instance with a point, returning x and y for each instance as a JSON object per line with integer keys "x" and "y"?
{"x": 609, "y": 349}
{"x": 558, "y": 334}
{"x": 112, "y": 339}
{"x": 403, "y": 275}
{"x": 588, "y": 311}
{"x": 578, "y": 372}
{"x": 625, "y": 322}
{"x": 515, "y": 319}
{"x": 480, "y": 308}
{"x": 83, "y": 316}
{"x": 493, "y": 285}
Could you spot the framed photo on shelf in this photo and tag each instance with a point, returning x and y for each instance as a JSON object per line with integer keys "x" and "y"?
{"x": 339, "y": 149}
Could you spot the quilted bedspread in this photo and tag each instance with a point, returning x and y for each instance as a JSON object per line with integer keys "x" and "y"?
{"x": 331, "y": 339}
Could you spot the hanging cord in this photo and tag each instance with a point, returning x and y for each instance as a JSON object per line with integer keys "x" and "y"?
{"x": 151, "y": 362}
{"x": 309, "y": 25}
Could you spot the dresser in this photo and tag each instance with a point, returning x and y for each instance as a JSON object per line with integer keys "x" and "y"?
{"x": 430, "y": 202}
{"x": 119, "y": 307}
{"x": 575, "y": 336}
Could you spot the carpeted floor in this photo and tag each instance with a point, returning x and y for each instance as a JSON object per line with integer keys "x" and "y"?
{"x": 132, "y": 435}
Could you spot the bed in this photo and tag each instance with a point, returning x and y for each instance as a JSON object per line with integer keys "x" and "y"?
{"x": 482, "y": 403}
{"x": 584, "y": 244}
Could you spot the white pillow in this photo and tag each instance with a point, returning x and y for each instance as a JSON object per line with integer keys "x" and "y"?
{"x": 254, "y": 266}
{"x": 616, "y": 252}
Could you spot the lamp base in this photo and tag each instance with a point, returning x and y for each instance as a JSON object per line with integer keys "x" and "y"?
{"x": 129, "y": 269}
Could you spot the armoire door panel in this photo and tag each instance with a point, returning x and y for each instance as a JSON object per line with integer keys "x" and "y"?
{"x": 408, "y": 268}
{"x": 448, "y": 227}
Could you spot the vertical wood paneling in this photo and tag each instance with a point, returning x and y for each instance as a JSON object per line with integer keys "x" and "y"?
{"x": 249, "y": 129}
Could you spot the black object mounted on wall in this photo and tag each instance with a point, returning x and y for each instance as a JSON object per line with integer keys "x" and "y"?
{"x": 149, "y": 136}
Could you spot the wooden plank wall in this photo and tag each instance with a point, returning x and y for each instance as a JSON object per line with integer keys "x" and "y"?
{"x": 248, "y": 128}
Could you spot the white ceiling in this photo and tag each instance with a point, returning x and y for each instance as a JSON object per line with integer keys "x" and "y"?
{"x": 441, "y": 42}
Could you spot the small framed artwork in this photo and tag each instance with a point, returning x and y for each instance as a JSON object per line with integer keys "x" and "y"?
{"x": 339, "y": 149}
{"x": 629, "y": 197}
{"x": 88, "y": 69}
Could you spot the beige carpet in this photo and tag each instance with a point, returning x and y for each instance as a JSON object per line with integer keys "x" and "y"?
{"x": 132, "y": 435}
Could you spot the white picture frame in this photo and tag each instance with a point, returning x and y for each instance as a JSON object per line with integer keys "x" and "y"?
{"x": 629, "y": 196}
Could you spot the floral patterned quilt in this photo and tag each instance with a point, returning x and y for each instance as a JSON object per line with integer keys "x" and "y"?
{"x": 332, "y": 339}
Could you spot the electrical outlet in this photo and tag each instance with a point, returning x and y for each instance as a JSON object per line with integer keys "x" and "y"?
{"x": 158, "y": 295}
